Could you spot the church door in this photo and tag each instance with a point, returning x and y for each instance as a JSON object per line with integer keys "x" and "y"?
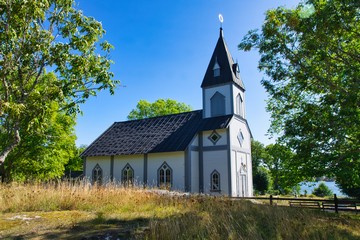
{"x": 241, "y": 185}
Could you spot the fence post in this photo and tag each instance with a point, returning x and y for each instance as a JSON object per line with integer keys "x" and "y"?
{"x": 336, "y": 202}
{"x": 271, "y": 199}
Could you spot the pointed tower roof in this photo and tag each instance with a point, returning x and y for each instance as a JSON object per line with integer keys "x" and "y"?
{"x": 228, "y": 69}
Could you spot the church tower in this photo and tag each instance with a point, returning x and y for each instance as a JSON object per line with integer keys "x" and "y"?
{"x": 223, "y": 89}
{"x": 224, "y": 97}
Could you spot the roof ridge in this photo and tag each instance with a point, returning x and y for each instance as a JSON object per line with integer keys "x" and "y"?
{"x": 163, "y": 116}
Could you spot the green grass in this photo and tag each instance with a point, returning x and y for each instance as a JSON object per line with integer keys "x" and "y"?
{"x": 63, "y": 211}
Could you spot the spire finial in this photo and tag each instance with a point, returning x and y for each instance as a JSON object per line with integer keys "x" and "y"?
{"x": 221, "y": 19}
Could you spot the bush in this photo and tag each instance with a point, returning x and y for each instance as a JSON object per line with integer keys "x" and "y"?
{"x": 350, "y": 187}
{"x": 261, "y": 181}
{"x": 322, "y": 191}
{"x": 350, "y": 191}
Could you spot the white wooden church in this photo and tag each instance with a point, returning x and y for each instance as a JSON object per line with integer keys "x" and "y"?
{"x": 204, "y": 151}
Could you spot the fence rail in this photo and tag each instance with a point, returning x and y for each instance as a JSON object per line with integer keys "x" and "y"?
{"x": 334, "y": 204}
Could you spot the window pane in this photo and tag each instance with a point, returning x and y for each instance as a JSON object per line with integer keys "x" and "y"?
{"x": 215, "y": 181}
{"x": 130, "y": 174}
{"x": 217, "y": 103}
{"x": 168, "y": 176}
{"x": 162, "y": 175}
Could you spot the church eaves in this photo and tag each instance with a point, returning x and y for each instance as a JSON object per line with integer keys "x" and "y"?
{"x": 228, "y": 69}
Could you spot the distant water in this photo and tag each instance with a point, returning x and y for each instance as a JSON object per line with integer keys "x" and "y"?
{"x": 309, "y": 187}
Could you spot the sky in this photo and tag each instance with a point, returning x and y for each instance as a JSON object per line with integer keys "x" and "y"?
{"x": 162, "y": 49}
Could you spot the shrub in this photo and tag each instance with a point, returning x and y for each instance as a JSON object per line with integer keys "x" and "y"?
{"x": 261, "y": 181}
{"x": 350, "y": 188}
{"x": 322, "y": 191}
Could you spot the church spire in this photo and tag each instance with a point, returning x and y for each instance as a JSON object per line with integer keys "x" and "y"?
{"x": 222, "y": 68}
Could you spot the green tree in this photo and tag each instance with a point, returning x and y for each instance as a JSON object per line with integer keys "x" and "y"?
{"x": 350, "y": 191}
{"x": 257, "y": 154}
{"x": 76, "y": 162}
{"x": 277, "y": 160}
{"x": 160, "y": 107}
{"x": 322, "y": 191}
{"x": 261, "y": 180}
{"x": 41, "y": 155}
{"x": 311, "y": 55}
{"x": 40, "y": 36}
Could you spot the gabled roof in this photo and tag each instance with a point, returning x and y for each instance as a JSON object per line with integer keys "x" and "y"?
{"x": 228, "y": 69}
{"x": 160, "y": 134}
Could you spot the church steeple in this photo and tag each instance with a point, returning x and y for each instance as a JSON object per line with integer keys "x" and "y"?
{"x": 223, "y": 89}
{"x": 222, "y": 68}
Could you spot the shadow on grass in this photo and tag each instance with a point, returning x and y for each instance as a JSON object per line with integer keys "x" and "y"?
{"x": 98, "y": 228}
{"x": 210, "y": 219}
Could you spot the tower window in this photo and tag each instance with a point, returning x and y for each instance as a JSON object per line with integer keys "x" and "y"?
{"x": 236, "y": 70}
{"x": 216, "y": 69}
{"x": 241, "y": 138}
{"x": 217, "y": 103}
{"x": 239, "y": 105}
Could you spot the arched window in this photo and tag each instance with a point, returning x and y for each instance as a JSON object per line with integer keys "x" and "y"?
{"x": 127, "y": 175}
{"x": 239, "y": 105}
{"x": 165, "y": 176}
{"x": 97, "y": 175}
{"x": 217, "y": 103}
{"x": 215, "y": 181}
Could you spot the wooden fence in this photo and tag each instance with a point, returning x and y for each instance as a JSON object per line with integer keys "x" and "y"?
{"x": 334, "y": 204}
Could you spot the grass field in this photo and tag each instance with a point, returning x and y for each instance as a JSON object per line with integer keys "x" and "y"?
{"x": 64, "y": 211}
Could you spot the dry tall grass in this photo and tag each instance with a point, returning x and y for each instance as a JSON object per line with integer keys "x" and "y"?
{"x": 161, "y": 216}
{"x": 82, "y": 196}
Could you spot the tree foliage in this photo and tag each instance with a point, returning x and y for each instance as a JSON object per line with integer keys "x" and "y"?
{"x": 311, "y": 55}
{"x": 41, "y": 155}
{"x": 262, "y": 181}
{"x": 350, "y": 191}
{"x": 278, "y": 160}
{"x": 46, "y": 36}
{"x": 261, "y": 177}
{"x": 76, "y": 163}
{"x": 257, "y": 154}
{"x": 160, "y": 107}
{"x": 272, "y": 168}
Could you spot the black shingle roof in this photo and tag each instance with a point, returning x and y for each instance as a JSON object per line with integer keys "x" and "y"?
{"x": 160, "y": 134}
{"x": 228, "y": 72}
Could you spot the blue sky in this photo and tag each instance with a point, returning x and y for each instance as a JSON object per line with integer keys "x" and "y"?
{"x": 162, "y": 49}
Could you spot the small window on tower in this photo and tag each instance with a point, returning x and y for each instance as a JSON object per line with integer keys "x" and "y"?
{"x": 216, "y": 69}
{"x": 241, "y": 138}
{"x": 239, "y": 105}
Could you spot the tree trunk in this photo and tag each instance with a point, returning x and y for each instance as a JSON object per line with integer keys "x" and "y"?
{"x": 6, "y": 152}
